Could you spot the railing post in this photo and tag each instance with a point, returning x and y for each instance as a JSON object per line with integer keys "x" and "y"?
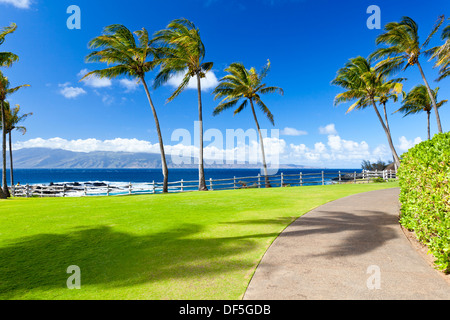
{"x": 13, "y": 189}
{"x": 234, "y": 183}
{"x": 182, "y": 185}
{"x": 301, "y": 179}
{"x": 130, "y": 189}
{"x": 85, "y": 191}
{"x": 259, "y": 180}
{"x": 340, "y": 178}
{"x": 154, "y": 187}
{"x": 354, "y": 178}
{"x": 64, "y": 190}
{"x": 282, "y": 180}
{"x": 211, "y": 184}
{"x": 107, "y": 190}
{"x": 323, "y": 178}
{"x": 27, "y": 190}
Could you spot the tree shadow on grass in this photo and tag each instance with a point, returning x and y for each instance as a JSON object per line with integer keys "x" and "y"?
{"x": 116, "y": 259}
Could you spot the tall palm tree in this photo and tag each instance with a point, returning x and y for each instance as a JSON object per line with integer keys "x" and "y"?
{"x": 442, "y": 54}
{"x": 417, "y": 101}
{"x": 248, "y": 85}
{"x": 13, "y": 119}
{"x": 183, "y": 52}
{"x": 403, "y": 49}
{"x": 6, "y": 60}
{"x": 364, "y": 84}
{"x": 118, "y": 47}
{"x": 5, "y": 91}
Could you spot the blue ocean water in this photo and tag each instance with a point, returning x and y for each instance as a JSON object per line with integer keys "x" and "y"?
{"x": 47, "y": 176}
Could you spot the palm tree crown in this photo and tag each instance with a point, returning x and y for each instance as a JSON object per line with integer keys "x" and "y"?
{"x": 118, "y": 47}
{"x": 245, "y": 84}
{"x": 418, "y": 100}
{"x": 442, "y": 54}
{"x": 182, "y": 51}
{"x": 7, "y": 58}
{"x": 365, "y": 85}
{"x": 403, "y": 49}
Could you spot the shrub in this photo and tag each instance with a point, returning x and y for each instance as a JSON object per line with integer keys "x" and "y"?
{"x": 379, "y": 180}
{"x": 425, "y": 196}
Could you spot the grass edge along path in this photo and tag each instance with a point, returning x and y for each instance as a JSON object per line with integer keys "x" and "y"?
{"x": 192, "y": 246}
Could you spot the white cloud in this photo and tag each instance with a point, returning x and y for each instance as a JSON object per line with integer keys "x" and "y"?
{"x": 94, "y": 81}
{"x": 336, "y": 152}
{"x": 210, "y": 82}
{"x": 71, "y": 92}
{"x": 293, "y": 132}
{"x": 406, "y": 144}
{"x": 329, "y": 129}
{"x": 21, "y": 4}
{"x": 129, "y": 85}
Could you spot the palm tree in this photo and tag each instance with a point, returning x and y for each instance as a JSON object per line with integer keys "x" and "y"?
{"x": 183, "y": 52}
{"x": 239, "y": 84}
{"x": 364, "y": 84}
{"x": 418, "y": 100}
{"x": 5, "y": 90}
{"x": 442, "y": 55}
{"x": 6, "y": 60}
{"x": 403, "y": 49}
{"x": 117, "y": 46}
{"x": 13, "y": 119}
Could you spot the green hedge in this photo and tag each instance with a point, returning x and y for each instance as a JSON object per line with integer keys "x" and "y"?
{"x": 425, "y": 196}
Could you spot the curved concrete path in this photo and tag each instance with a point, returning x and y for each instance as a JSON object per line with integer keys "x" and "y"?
{"x": 349, "y": 249}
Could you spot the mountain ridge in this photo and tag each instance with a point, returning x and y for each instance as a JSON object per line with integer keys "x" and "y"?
{"x": 45, "y": 158}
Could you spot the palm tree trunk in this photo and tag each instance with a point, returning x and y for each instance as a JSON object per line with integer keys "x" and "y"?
{"x": 201, "y": 169}
{"x": 388, "y": 134}
{"x": 386, "y": 118}
{"x": 262, "y": 146}
{"x": 429, "y": 132}
{"x": 433, "y": 101}
{"x": 161, "y": 143}
{"x": 4, "y": 182}
{"x": 11, "y": 162}
{"x": 389, "y": 129}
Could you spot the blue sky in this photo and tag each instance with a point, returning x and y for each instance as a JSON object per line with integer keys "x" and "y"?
{"x": 306, "y": 41}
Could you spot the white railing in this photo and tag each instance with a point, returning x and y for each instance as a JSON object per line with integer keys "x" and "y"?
{"x": 281, "y": 180}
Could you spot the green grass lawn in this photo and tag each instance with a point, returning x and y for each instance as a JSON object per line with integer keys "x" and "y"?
{"x": 171, "y": 247}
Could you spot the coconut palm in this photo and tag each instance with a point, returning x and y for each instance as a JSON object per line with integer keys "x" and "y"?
{"x": 13, "y": 120}
{"x": 403, "y": 49}
{"x": 417, "y": 101}
{"x": 442, "y": 55}
{"x": 5, "y": 91}
{"x": 247, "y": 86}
{"x": 364, "y": 84}
{"x": 183, "y": 52}
{"x": 6, "y": 60}
{"x": 118, "y": 47}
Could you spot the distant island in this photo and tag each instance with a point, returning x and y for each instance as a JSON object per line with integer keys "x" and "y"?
{"x": 45, "y": 158}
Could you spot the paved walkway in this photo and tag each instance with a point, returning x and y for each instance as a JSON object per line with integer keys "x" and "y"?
{"x": 350, "y": 249}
